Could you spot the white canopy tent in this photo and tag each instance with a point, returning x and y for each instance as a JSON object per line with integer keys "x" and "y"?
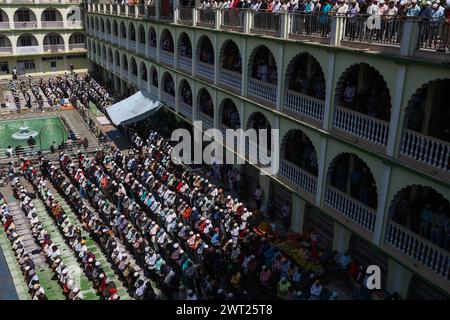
{"x": 132, "y": 109}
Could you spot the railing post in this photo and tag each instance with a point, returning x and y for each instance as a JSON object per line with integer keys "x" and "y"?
{"x": 337, "y": 29}
{"x": 410, "y": 36}
{"x": 247, "y": 21}
{"x": 285, "y": 19}
{"x": 194, "y": 16}
{"x": 218, "y": 19}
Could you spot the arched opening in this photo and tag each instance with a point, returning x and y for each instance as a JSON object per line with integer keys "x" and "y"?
{"x": 229, "y": 115}
{"x": 108, "y": 27}
{"x": 141, "y": 35}
{"x": 166, "y": 41}
{"x": 350, "y": 174}
{"x": 144, "y": 75}
{"x": 115, "y": 29}
{"x": 104, "y": 57}
{"x": 134, "y": 68}
{"x": 152, "y": 37}
{"x": 362, "y": 88}
{"x": 102, "y": 26}
{"x": 124, "y": 62}
{"x": 131, "y": 32}
{"x": 154, "y": 74}
{"x": 77, "y": 41}
{"x": 5, "y": 44}
{"x": 304, "y": 75}
{"x": 205, "y": 50}
{"x": 185, "y": 93}
{"x": 110, "y": 56}
{"x": 123, "y": 30}
{"x": 298, "y": 149}
{"x": 205, "y": 103}
{"x": 117, "y": 58}
{"x": 24, "y": 18}
{"x": 184, "y": 46}
{"x": 96, "y": 24}
{"x": 424, "y": 211}
{"x": 168, "y": 84}
{"x": 53, "y": 42}
{"x": 428, "y": 110}
{"x": 258, "y": 121}
{"x": 231, "y": 57}
{"x": 263, "y": 65}
{"x": 27, "y": 40}
{"x": 51, "y": 18}
{"x": 4, "y": 19}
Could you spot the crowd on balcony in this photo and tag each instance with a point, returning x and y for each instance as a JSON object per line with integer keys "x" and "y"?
{"x": 264, "y": 69}
{"x": 230, "y": 115}
{"x": 311, "y": 84}
{"x": 206, "y": 104}
{"x": 232, "y": 59}
{"x": 424, "y": 211}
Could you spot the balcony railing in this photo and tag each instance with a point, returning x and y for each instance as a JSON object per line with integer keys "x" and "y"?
{"x": 384, "y": 29}
{"x": 425, "y": 149}
{"x": 74, "y": 24}
{"x": 121, "y": 10}
{"x": 131, "y": 11}
{"x": 304, "y": 106}
{"x": 5, "y": 50}
{"x": 152, "y": 52}
{"x": 262, "y": 91}
{"x": 434, "y": 35}
{"x": 142, "y": 49}
{"x": 52, "y": 24}
{"x": 360, "y": 125}
{"x": 151, "y": 11}
{"x": 4, "y": 25}
{"x": 185, "y": 64}
{"x": 185, "y": 15}
{"x": 351, "y": 208}
{"x": 132, "y": 45}
{"x": 205, "y": 70}
{"x": 185, "y": 109}
{"x": 300, "y": 177}
{"x": 307, "y": 24}
{"x": 208, "y": 122}
{"x": 25, "y": 25}
{"x": 154, "y": 91}
{"x": 77, "y": 46}
{"x": 206, "y": 17}
{"x": 232, "y": 19}
{"x": 266, "y": 22}
{"x": 230, "y": 78}
{"x": 418, "y": 249}
{"x": 125, "y": 73}
{"x": 166, "y": 57}
{"x": 53, "y": 47}
{"x": 168, "y": 100}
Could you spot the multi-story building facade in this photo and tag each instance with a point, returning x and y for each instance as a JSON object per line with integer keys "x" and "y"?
{"x": 363, "y": 144}
{"x": 41, "y": 36}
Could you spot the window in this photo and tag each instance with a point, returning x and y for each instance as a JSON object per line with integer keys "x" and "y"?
{"x": 2, "y": 42}
{"x": 53, "y": 64}
{"x": 23, "y": 15}
{"x": 25, "y": 41}
{"x": 4, "y": 67}
{"x": 27, "y": 64}
{"x": 78, "y": 38}
{"x": 50, "y": 16}
{"x": 53, "y": 39}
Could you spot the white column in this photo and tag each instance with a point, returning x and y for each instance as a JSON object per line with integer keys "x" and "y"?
{"x": 383, "y": 206}
{"x": 298, "y": 213}
{"x": 244, "y": 72}
{"x": 322, "y": 172}
{"x": 341, "y": 238}
{"x": 216, "y": 58}
{"x": 328, "y": 112}
{"x": 280, "y": 78}
{"x": 396, "y": 123}
{"x": 410, "y": 37}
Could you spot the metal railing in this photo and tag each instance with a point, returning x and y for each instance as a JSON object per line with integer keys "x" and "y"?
{"x": 206, "y": 17}
{"x": 232, "y": 19}
{"x": 434, "y": 35}
{"x": 266, "y": 21}
{"x": 310, "y": 24}
{"x": 379, "y": 29}
{"x": 185, "y": 14}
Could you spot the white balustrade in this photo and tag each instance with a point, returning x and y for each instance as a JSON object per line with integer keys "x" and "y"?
{"x": 185, "y": 64}
{"x": 300, "y": 177}
{"x": 205, "y": 70}
{"x": 142, "y": 49}
{"x": 5, "y": 49}
{"x": 261, "y": 90}
{"x": 168, "y": 99}
{"x": 77, "y": 46}
{"x": 52, "y": 24}
{"x": 74, "y": 24}
{"x": 207, "y": 121}
{"x": 25, "y": 25}
{"x": 362, "y": 126}
{"x": 166, "y": 57}
{"x": 418, "y": 248}
{"x": 4, "y": 25}
{"x": 304, "y": 106}
{"x": 152, "y": 52}
{"x": 185, "y": 109}
{"x": 132, "y": 45}
{"x": 230, "y": 78}
{"x": 53, "y": 47}
{"x": 426, "y": 149}
{"x": 356, "y": 211}
{"x": 154, "y": 91}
